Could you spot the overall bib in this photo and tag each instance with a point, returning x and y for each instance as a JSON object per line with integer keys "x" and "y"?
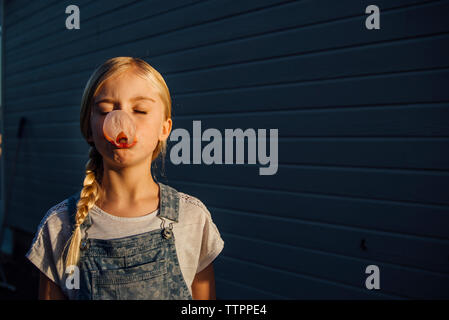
{"x": 143, "y": 266}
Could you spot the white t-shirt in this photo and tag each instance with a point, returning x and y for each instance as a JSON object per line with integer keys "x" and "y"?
{"x": 197, "y": 239}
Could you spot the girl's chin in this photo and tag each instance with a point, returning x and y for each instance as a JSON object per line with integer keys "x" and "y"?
{"x": 118, "y": 161}
{"x": 127, "y": 158}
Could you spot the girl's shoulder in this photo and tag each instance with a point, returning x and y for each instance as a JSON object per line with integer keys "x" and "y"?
{"x": 188, "y": 199}
{"x": 57, "y": 213}
{"x": 55, "y": 221}
{"x": 192, "y": 208}
{"x": 49, "y": 241}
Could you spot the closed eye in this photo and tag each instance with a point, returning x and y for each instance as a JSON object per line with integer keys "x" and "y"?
{"x": 137, "y": 111}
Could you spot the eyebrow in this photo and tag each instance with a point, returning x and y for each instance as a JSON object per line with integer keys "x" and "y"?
{"x": 137, "y": 98}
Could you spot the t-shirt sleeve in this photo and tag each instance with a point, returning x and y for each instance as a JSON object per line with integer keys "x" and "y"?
{"x": 212, "y": 243}
{"x": 45, "y": 248}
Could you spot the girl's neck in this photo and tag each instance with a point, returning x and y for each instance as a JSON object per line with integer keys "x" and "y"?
{"x": 131, "y": 207}
{"x": 126, "y": 188}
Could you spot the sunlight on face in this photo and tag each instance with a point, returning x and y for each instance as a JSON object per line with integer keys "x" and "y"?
{"x": 136, "y": 96}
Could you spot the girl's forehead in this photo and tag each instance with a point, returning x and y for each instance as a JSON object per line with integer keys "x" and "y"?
{"x": 126, "y": 87}
{"x": 126, "y": 94}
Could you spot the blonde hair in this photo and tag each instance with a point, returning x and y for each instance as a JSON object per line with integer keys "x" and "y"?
{"x": 90, "y": 192}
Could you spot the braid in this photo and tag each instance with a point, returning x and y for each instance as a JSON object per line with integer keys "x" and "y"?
{"x": 88, "y": 196}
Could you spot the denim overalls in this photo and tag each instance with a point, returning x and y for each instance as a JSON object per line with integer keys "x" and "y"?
{"x": 143, "y": 266}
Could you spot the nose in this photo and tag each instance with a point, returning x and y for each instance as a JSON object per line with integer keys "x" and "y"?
{"x": 119, "y": 129}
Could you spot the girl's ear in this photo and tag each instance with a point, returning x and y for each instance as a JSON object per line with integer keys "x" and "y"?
{"x": 166, "y": 129}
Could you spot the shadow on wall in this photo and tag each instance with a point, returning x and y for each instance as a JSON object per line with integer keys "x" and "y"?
{"x": 19, "y": 271}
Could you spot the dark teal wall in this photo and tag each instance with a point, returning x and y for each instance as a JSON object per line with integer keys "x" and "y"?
{"x": 362, "y": 118}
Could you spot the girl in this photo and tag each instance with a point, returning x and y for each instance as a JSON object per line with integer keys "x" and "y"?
{"x": 125, "y": 236}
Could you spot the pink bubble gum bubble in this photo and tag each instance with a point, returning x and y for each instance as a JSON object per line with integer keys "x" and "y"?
{"x": 119, "y": 129}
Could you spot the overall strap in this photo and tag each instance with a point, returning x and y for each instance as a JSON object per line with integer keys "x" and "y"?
{"x": 168, "y": 202}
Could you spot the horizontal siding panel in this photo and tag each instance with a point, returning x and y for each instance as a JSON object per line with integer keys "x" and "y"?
{"x": 413, "y": 88}
{"x": 427, "y": 120}
{"x": 278, "y": 14}
{"x": 290, "y": 285}
{"x": 64, "y": 169}
{"x": 385, "y": 58}
{"x": 427, "y": 54}
{"x": 40, "y": 116}
{"x": 280, "y": 44}
{"x": 56, "y": 85}
{"x": 26, "y": 218}
{"x": 373, "y": 214}
{"x": 19, "y": 11}
{"x": 49, "y": 131}
{"x": 345, "y": 211}
{"x": 58, "y": 175}
{"x": 347, "y": 152}
{"x": 50, "y": 164}
{"x": 382, "y": 184}
{"x": 232, "y": 290}
{"x": 54, "y": 101}
{"x": 318, "y": 37}
{"x": 49, "y": 19}
{"x": 56, "y": 189}
{"x": 423, "y": 120}
{"x": 14, "y": 6}
{"x": 32, "y": 201}
{"x": 58, "y": 145}
{"x": 175, "y": 20}
{"x": 118, "y": 14}
{"x": 394, "y": 279}
{"x": 381, "y": 153}
{"x": 420, "y": 253}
